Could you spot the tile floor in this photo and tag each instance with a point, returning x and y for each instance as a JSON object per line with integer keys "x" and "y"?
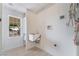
{"x": 21, "y": 51}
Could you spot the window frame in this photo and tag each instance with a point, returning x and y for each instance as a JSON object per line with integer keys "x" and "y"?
{"x": 9, "y": 24}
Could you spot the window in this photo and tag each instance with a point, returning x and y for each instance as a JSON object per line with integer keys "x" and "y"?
{"x": 14, "y": 26}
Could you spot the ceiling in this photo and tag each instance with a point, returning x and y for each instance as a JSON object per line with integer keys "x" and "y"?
{"x": 34, "y": 7}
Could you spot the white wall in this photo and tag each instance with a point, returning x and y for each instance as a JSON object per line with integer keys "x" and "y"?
{"x": 10, "y": 42}
{"x": 0, "y": 26}
{"x": 77, "y": 50}
{"x": 0, "y": 10}
{"x": 32, "y": 27}
{"x": 60, "y": 33}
